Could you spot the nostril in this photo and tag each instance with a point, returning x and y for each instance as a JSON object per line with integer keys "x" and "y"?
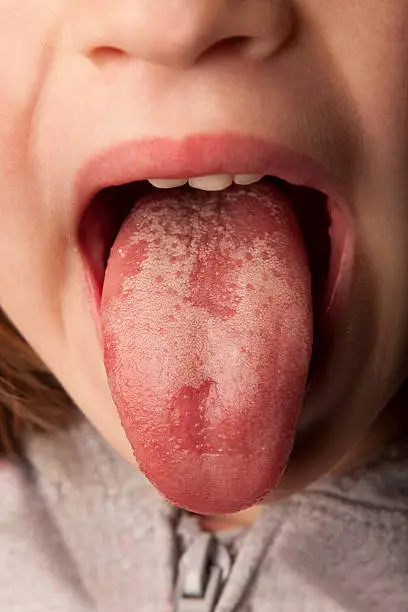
{"x": 105, "y": 55}
{"x": 226, "y": 46}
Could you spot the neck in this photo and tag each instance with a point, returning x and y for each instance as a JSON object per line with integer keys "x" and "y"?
{"x": 222, "y": 522}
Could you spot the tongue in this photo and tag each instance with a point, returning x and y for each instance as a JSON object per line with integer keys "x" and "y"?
{"x": 207, "y": 326}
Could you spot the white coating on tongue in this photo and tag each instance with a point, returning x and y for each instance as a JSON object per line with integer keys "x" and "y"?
{"x": 206, "y": 315}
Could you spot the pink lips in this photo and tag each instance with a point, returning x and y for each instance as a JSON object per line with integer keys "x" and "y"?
{"x": 199, "y": 155}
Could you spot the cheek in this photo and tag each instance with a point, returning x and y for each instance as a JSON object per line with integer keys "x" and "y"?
{"x": 30, "y": 279}
{"x": 24, "y": 33}
{"x": 23, "y": 236}
{"x": 369, "y": 41}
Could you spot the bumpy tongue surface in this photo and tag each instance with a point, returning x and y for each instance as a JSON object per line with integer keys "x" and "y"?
{"x": 207, "y": 324}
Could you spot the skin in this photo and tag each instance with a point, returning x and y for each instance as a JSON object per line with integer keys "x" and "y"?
{"x": 329, "y": 81}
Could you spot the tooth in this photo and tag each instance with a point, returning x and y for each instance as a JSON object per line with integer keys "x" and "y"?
{"x": 214, "y": 182}
{"x": 167, "y": 183}
{"x": 247, "y": 179}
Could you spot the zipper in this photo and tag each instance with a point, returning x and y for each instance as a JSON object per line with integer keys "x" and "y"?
{"x": 203, "y": 572}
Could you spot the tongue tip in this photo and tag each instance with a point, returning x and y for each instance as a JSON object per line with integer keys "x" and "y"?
{"x": 236, "y": 485}
{"x": 210, "y": 508}
{"x": 210, "y": 505}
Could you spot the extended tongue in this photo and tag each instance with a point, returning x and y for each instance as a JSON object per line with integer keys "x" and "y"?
{"x": 207, "y": 324}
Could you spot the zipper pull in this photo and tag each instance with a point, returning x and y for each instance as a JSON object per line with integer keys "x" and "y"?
{"x": 203, "y": 572}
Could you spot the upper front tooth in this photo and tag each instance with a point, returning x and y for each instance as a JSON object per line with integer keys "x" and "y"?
{"x": 213, "y": 182}
{"x": 167, "y": 183}
{"x": 247, "y": 179}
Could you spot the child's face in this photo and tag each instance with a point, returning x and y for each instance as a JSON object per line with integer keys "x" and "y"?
{"x": 330, "y": 80}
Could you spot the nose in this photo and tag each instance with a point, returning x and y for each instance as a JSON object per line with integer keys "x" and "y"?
{"x": 180, "y": 32}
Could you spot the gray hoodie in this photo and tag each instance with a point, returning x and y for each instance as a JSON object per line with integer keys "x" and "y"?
{"x": 82, "y": 531}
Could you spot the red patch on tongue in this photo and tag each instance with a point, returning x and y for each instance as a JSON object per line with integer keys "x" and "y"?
{"x": 207, "y": 324}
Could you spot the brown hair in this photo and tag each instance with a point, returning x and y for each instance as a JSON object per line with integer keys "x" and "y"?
{"x": 31, "y": 399}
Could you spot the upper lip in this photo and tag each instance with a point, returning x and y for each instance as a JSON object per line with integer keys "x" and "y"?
{"x": 198, "y": 155}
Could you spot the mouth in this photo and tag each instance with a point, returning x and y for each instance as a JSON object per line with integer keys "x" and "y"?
{"x": 225, "y": 405}
{"x": 319, "y": 218}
